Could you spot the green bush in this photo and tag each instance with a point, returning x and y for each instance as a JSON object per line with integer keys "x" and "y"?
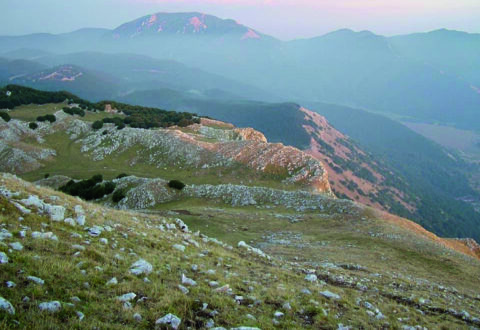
{"x": 74, "y": 111}
{"x": 5, "y": 116}
{"x": 92, "y": 188}
{"x": 122, "y": 175}
{"x": 97, "y": 125}
{"x": 118, "y": 195}
{"x": 175, "y": 184}
{"x": 47, "y": 175}
{"x": 33, "y": 125}
{"x": 49, "y": 117}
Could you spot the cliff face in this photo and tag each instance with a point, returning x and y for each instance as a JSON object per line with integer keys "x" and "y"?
{"x": 352, "y": 172}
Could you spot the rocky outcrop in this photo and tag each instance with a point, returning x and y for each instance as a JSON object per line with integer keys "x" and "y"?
{"x": 209, "y": 145}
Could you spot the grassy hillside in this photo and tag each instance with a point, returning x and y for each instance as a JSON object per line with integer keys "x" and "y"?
{"x": 429, "y": 285}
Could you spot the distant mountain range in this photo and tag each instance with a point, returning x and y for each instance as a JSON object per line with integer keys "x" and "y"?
{"x": 431, "y": 77}
{"x": 203, "y": 64}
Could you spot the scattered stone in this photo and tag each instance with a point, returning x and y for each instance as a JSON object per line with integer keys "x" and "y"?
{"x": 5, "y": 305}
{"x": 287, "y": 306}
{"x": 141, "y": 267}
{"x": 330, "y": 295}
{"x": 36, "y": 280}
{"x": 171, "y": 320}
{"x": 112, "y": 281}
{"x": 51, "y": 306}
{"x": 137, "y": 317}
{"x": 81, "y": 220}
{"x": 10, "y": 284}
{"x": 3, "y": 258}
{"x": 78, "y": 247}
{"x": 311, "y": 278}
{"x": 179, "y": 247}
{"x": 70, "y": 222}
{"x": 183, "y": 289}
{"x": 95, "y": 231}
{"x": 56, "y": 212}
{"x": 278, "y": 314}
{"x": 256, "y": 251}
{"x": 80, "y": 315}
{"x": 188, "y": 281}
{"x": 306, "y": 291}
{"x": 49, "y": 235}
{"x": 126, "y": 297}
{"x": 5, "y": 234}
{"x": 103, "y": 241}
{"x": 16, "y": 246}
{"x": 75, "y": 299}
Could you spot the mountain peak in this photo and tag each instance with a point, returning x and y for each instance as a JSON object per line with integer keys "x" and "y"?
{"x": 190, "y": 23}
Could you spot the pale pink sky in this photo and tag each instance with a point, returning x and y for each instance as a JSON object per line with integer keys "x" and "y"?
{"x": 285, "y": 19}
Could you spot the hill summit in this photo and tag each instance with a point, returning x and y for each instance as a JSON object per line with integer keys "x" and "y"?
{"x": 183, "y": 24}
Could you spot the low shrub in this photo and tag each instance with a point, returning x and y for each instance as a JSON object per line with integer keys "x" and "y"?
{"x": 175, "y": 184}
{"x": 49, "y": 117}
{"x": 5, "y": 116}
{"x": 33, "y": 126}
{"x": 118, "y": 195}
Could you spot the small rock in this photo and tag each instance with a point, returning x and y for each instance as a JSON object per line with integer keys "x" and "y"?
{"x": 171, "y": 320}
{"x": 36, "y": 280}
{"x": 306, "y": 291}
{"x": 126, "y": 297}
{"x": 81, "y": 220}
{"x": 56, "y": 212}
{"x": 137, "y": 317}
{"x": 80, "y": 316}
{"x": 311, "y": 278}
{"x": 188, "y": 281}
{"x": 141, "y": 267}
{"x": 51, "y": 306}
{"x": 95, "y": 231}
{"x": 112, "y": 281}
{"x": 183, "y": 289}
{"x": 70, "y": 222}
{"x": 78, "y": 247}
{"x": 49, "y": 235}
{"x": 330, "y": 295}
{"x": 10, "y": 284}
{"x": 6, "y": 306}
{"x": 278, "y": 314}
{"x": 179, "y": 247}
{"x": 3, "y": 258}
{"x": 287, "y": 306}
{"x": 103, "y": 241}
{"x": 16, "y": 246}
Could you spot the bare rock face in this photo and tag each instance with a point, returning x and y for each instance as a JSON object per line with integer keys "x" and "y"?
{"x": 471, "y": 244}
{"x": 249, "y": 134}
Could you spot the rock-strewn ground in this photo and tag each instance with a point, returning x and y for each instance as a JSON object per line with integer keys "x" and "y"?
{"x": 66, "y": 263}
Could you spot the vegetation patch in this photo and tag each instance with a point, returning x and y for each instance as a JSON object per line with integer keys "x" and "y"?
{"x": 90, "y": 189}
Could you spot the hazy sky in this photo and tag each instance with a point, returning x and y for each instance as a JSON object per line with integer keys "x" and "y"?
{"x": 285, "y": 19}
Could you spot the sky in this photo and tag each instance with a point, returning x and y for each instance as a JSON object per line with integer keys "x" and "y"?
{"x": 284, "y": 19}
